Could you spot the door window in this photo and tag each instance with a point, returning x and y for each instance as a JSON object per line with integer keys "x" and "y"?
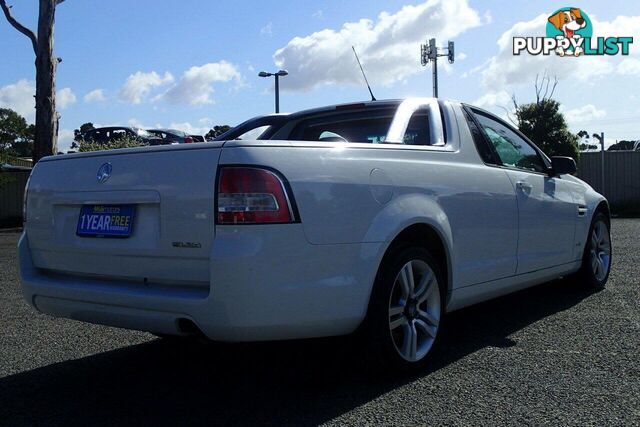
{"x": 513, "y": 150}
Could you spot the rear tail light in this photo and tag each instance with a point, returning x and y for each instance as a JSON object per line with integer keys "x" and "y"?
{"x": 252, "y": 195}
{"x": 188, "y": 140}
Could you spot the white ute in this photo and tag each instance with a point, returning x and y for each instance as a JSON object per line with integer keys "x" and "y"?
{"x": 378, "y": 217}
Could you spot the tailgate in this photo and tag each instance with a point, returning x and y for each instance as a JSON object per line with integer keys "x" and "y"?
{"x": 170, "y": 192}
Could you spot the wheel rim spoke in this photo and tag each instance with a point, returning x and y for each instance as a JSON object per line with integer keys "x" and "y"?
{"x": 406, "y": 279}
{"x": 410, "y": 343}
{"x": 394, "y": 311}
{"x": 425, "y": 328}
{"x": 425, "y": 288}
{"x": 396, "y": 323}
{"x": 427, "y": 318}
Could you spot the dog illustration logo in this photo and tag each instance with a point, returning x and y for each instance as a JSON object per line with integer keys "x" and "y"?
{"x": 569, "y": 33}
{"x": 569, "y": 23}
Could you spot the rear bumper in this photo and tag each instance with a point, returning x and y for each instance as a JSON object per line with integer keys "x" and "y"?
{"x": 266, "y": 283}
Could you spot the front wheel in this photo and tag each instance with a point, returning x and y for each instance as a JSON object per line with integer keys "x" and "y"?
{"x": 406, "y": 309}
{"x": 596, "y": 261}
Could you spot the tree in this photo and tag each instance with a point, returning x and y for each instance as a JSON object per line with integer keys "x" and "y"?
{"x": 77, "y": 134}
{"x": 216, "y": 131}
{"x": 583, "y": 137}
{"x": 16, "y": 136}
{"x": 543, "y": 123}
{"x": 46, "y": 129}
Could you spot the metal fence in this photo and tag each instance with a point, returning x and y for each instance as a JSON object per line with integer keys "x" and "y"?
{"x": 11, "y": 194}
{"x": 621, "y": 177}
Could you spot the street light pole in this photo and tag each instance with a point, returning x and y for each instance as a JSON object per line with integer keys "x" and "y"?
{"x": 600, "y": 139}
{"x": 277, "y": 76}
{"x": 277, "y": 93}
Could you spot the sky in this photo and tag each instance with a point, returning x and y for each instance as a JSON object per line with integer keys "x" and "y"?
{"x": 194, "y": 64}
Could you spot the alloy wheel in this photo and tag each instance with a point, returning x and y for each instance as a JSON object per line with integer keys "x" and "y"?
{"x": 414, "y": 310}
{"x": 600, "y": 250}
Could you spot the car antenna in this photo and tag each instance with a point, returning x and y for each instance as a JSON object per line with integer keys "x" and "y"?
{"x": 373, "y": 98}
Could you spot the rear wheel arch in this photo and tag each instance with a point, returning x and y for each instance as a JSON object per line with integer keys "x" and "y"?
{"x": 425, "y": 236}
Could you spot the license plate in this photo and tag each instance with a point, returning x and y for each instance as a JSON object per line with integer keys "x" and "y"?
{"x": 105, "y": 220}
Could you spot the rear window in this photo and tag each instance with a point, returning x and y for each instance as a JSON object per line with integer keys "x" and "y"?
{"x": 362, "y": 126}
{"x": 340, "y": 129}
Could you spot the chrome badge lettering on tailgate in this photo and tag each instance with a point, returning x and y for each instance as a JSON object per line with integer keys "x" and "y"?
{"x": 187, "y": 245}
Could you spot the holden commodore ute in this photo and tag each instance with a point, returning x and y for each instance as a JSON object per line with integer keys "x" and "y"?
{"x": 373, "y": 219}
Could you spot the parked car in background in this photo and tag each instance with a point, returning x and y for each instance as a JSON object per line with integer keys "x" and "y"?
{"x": 377, "y": 217}
{"x": 171, "y": 136}
{"x": 197, "y": 138}
{"x": 111, "y": 133}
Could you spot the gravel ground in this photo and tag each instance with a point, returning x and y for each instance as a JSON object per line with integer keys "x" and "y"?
{"x": 554, "y": 354}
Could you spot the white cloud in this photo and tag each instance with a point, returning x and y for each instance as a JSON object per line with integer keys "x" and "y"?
{"x": 488, "y": 18}
{"x": 191, "y": 129}
{"x": 138, "y": 85}
{"x": 388, "y": 47}
{"x": 65, "y": 139}
{"x": 318, "y": 14}
{"x": 583, "y": 114}
{"x": 494, "y": 99}
{"x": 19, "y": 97}
{"x": 505, "y": 70}
{"x": 133, "y": 122}
{"x": 195, "y": 85}
{"x": 202, "y": 127}
{"x": 267, "y": 30}
{"x": 96, "y": 95}
{"x": 461, "y": 56}
{"x": 65, "y": 97}
{"x": 629, "y": 66}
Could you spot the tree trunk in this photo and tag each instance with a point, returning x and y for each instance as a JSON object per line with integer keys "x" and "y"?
{"x": 46, "y": 138}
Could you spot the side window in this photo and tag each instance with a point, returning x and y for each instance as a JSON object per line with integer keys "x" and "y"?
{"x": 511, "y": 148}
{"x": 417, "y": 132}
{"x": 485, "y": 151}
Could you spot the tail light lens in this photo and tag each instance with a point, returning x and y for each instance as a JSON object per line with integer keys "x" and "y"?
{"x": 252, "y": 195}
{"x": 188, "y": 140}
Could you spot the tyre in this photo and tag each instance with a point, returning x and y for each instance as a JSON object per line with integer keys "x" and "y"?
{"x": 405, "y": 312}
{"x": 596, "y": 261}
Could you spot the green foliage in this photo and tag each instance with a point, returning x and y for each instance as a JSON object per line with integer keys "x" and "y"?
{"x": 16, "y": 136}
{"x": 543, "y": 123}
{"x": 86, "y": 127}
{"x": 124, "y": 142}
{"x": 217, "y": 131}
{"x": 77, "y": 134}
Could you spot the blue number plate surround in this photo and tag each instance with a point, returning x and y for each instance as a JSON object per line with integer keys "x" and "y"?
{"x": 106, "y": 220}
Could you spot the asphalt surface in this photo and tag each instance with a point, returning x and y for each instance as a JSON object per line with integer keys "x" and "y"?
{"x": 552, "y": 355}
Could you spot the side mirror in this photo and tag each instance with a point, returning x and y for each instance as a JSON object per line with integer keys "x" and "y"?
{"x": 563, "y": 165}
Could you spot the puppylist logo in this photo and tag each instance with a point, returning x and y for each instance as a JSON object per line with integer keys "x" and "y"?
{"x": 569, "y": 33}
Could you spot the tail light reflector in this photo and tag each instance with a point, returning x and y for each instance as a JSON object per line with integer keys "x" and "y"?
{"x": 252, "y": 195}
